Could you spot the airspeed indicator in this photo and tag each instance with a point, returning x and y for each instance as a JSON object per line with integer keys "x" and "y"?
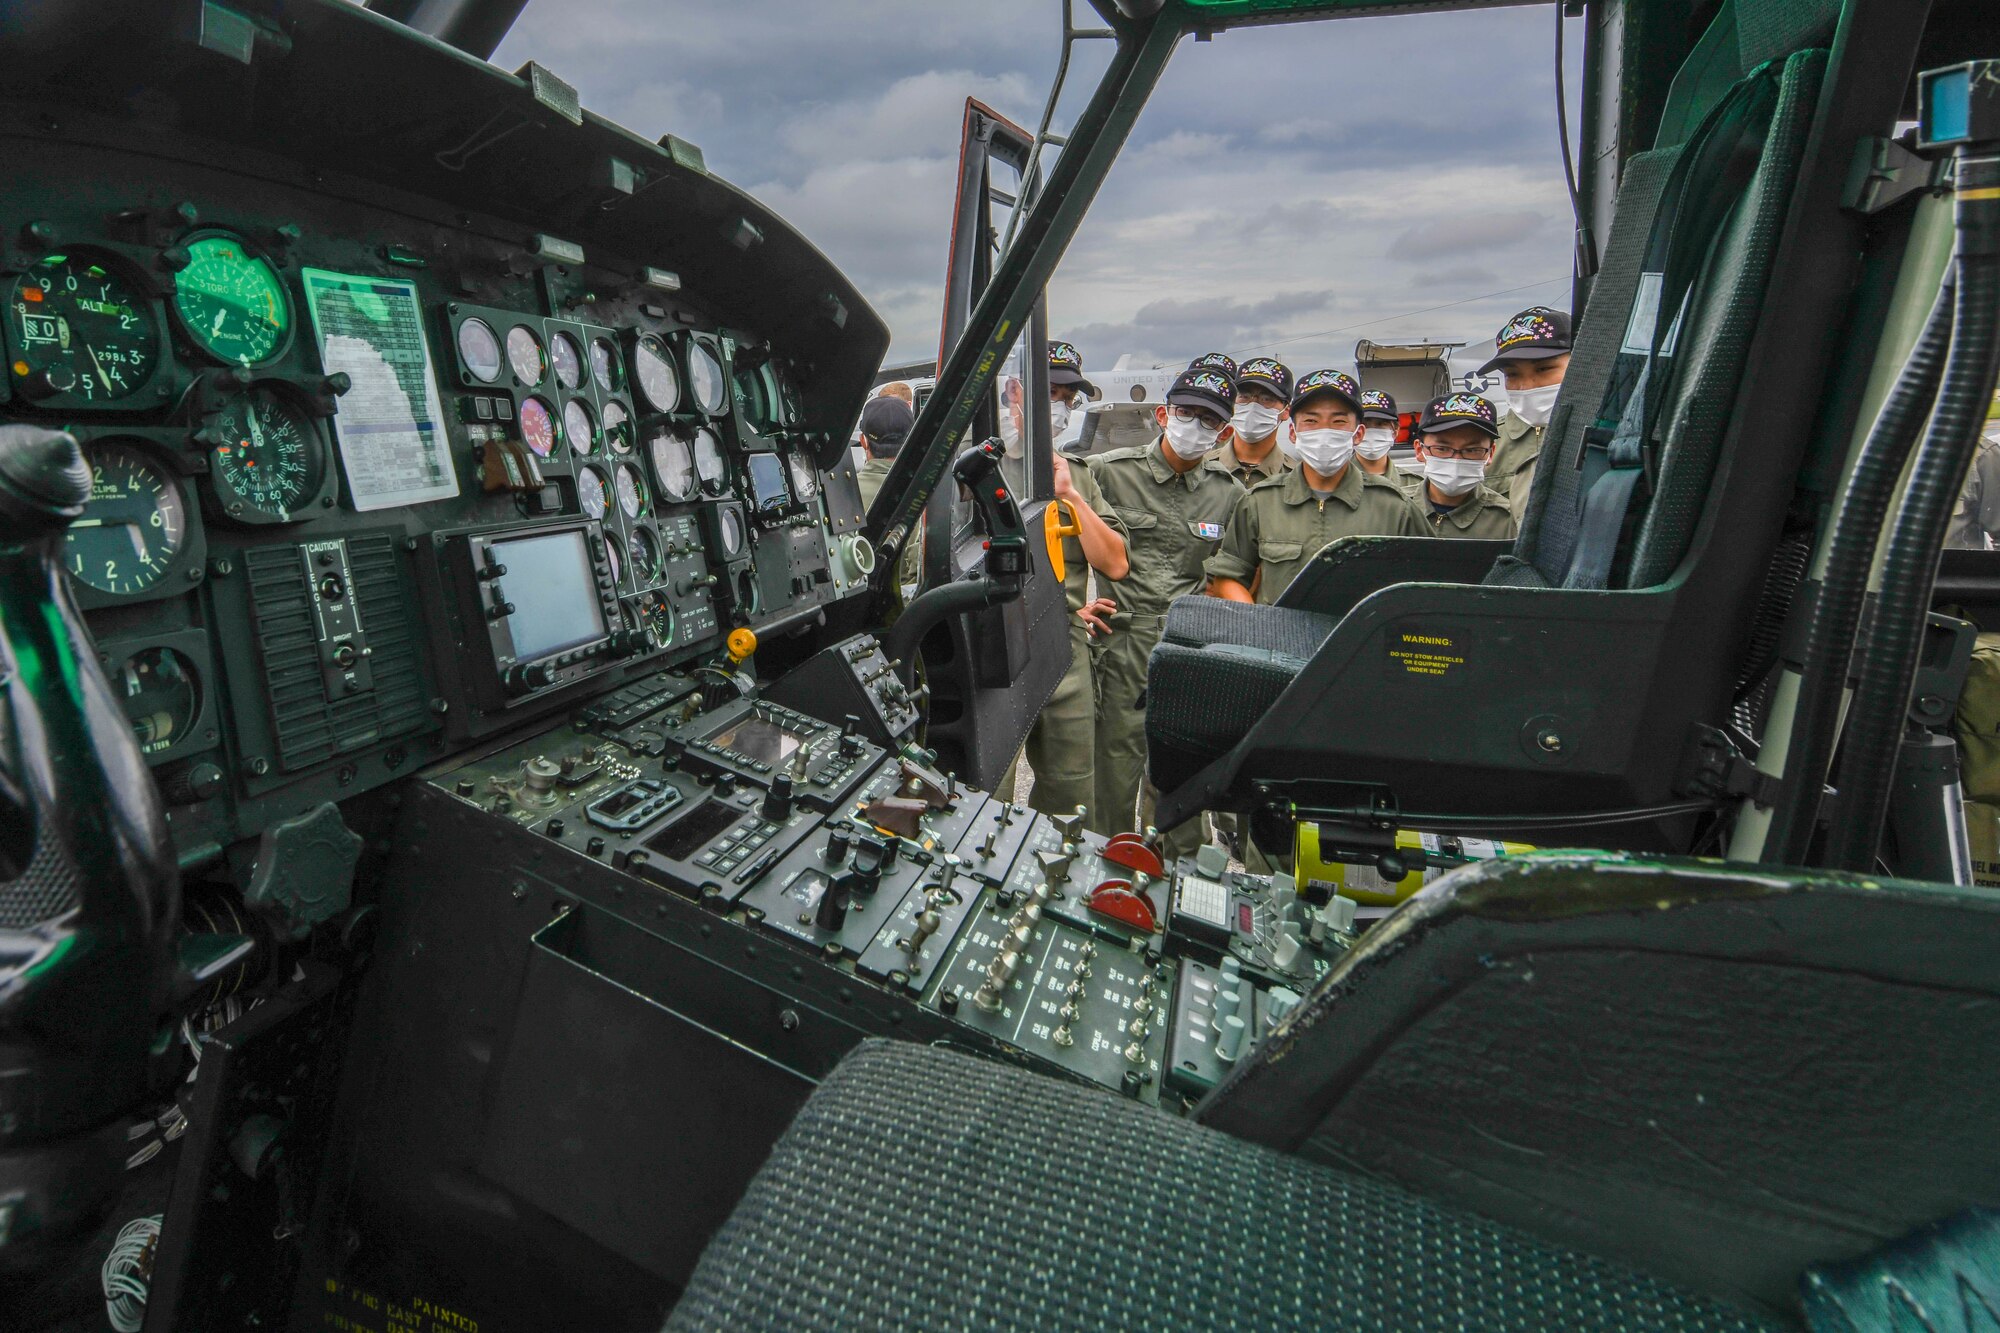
{"x": 265, "y": 460}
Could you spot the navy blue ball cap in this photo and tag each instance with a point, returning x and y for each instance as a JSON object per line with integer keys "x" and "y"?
{"x": 1378, "y": 405}
{"x": 1460, "y": 409}
{"x": 886, "y": 421}
{"x": 1536, "y": 334}
{"x": 1336, "y": 382}
{"x": 1266, "y": 373}
{"x": 1221, "y": 361}
{"x": 1202, "y": 387}
{"x": 1066, "y": 368}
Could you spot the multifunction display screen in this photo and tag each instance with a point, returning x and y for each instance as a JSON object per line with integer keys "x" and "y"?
{"x": 767, "y": 482}
{"x": 554, "y": 596}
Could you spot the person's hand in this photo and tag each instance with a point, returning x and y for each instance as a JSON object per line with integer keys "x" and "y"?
{"x": 1096, "y": 615}
{"x": 1065, "y": 489}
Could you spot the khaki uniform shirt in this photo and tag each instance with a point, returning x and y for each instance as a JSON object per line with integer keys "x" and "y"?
{"x": 1275, "y": 463}
{"x": 1281, "y": 524}
{"x": 1975, "y": 519}
{"x": 1483, "y": 516}
{"x": 870, "y": 476}
{"x": 1076, "y": 566}
{"x": 1512, "y": 471}
{"x": 1172, "y": 522}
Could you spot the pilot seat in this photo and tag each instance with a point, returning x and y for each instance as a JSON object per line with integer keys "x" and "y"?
{"x": 1477, "y": 679}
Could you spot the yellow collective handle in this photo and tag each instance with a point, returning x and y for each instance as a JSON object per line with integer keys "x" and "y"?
{"x": 741, "y": 644}
{"x": 1054, "y": 529}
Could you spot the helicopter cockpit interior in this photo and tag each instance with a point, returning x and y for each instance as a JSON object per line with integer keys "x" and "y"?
{"x": 486, "y": 843}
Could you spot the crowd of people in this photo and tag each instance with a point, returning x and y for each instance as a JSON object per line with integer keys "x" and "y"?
{"x": 1253, "y": 472}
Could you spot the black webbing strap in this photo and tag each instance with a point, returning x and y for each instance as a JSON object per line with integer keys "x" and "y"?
{"x": 1620, "y": 449}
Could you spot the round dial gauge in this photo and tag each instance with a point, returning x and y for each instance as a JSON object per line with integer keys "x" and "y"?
{"x": 479, "y": 350}
{"x": 673, "y": 465}
{"x": 644, "y": 548}
{"x": 566, "y": 356}
{"x": 579, "y": 426}
{"x": 133, "y": 526}
{"x": 617, "y": 428}
{"x": 231, "y": 302}
{"x": 616, "y": 561}
{"x": 161, "y": 691}
{"x": 659, "y": 382}
{"x": 656, "y": 614}
{"x": 705, "y": 378}
{"x": 525, "y": 355}
{"x": 631, "y": 490}
{"x": 266, "y": 460}
{"x": 605, "y": 371}
{"x": 538, "y": 427}
{"x": 805, "y": 477}
{"x": 591, "y": 492}
{"x": 78, "y": 328}
{"x": 709, "y": 464}
{"x": 732, "y": 533}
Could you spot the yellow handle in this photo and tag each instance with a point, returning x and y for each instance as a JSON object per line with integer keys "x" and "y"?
{"x": 1054, "y": 529}
{"x": 742, "y": 643}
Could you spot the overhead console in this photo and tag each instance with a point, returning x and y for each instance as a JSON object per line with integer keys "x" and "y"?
{"x": 418, "y": 401}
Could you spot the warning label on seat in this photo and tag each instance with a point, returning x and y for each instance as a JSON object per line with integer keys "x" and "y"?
{"x": 1424, "y": 652}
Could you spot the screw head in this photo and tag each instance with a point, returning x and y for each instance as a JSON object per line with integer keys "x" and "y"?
{"x": 1550, "y": 741}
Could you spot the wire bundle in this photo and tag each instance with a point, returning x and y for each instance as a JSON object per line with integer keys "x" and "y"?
{"x": 127, "y": 1270}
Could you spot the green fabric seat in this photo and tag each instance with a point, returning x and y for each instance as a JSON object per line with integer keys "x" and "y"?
{"x": 923, "y": 1189}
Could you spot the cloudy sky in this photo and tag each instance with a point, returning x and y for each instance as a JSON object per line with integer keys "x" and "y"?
{"x": 1289, "y": 189}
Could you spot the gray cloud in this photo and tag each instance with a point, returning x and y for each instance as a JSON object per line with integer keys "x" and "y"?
{"x": 1473, "y": 232}
{"x": 1286, "y": 186}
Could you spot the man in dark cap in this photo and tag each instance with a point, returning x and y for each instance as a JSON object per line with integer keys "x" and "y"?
{"x": 1061, "y": 749}
{"x": 1379, "y": 424}
{"x": 1249, "y": 448}
{"x": 1455, "y": 444}
{"x": 1173, "y": 501}
{"x": 1531, "y": 352}
{"x": 1279, "y": 525}
{"x": 885, "y": 424}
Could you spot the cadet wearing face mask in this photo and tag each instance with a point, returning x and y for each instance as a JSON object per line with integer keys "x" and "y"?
{"x": 1455, "y": 443}
{"x": 1172, "y": 502}
{"x": 1249, "y": 448}
{"x": 1531, "y": 352}
{"x": 1281, "y": 524}
{"x": 1378, "y": 436}
{"x": 1061, "y": 748}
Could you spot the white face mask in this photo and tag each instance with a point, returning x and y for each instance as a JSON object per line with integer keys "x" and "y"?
{"x": 1376, "y": 442}
{"x": 1326, "y": 451}
{"x": 1058, "y": 417}
{"x": 1454, "y": 476}
{"x": 1533, "y": 405}
{"x": 1189, "y": 439}
{"x": 1254, "y": 421}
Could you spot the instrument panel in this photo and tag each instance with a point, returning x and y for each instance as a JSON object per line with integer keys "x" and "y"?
{"x": 306, "y": 416}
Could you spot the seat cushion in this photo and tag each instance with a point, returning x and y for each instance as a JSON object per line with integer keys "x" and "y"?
{"x": 920, "y": 1188}
{"x": 1201, "y": 701}
{"x": 1200, "y": 621}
